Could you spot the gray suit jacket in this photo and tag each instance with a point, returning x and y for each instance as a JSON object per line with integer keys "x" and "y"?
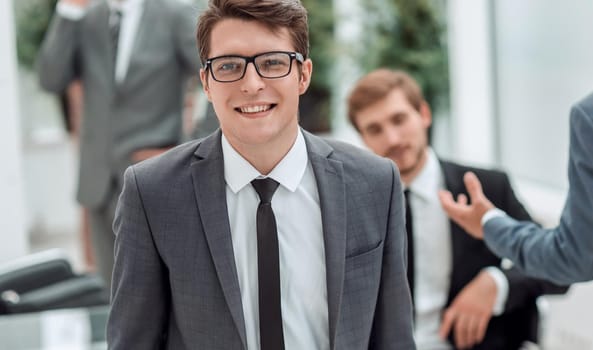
{"x": 145, "y": 110}
{"x": 564, "y": 254}
{"x": 175, "y": 282}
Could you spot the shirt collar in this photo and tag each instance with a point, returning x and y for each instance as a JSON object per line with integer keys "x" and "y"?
{"x": 430, "y": 179}
{"x": 238, "y": 172}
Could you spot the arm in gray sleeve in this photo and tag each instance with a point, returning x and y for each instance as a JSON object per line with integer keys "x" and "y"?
{"x": 563, "y": 254}
{"x": 57, "y": 58}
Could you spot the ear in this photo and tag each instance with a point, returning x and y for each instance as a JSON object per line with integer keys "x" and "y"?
{"x": 305, "y": 79}
{"x": 205, "y": 86}
{"x": 426, "y": 114}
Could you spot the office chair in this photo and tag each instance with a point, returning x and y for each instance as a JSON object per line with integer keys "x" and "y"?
{"x": 45, "y": 281}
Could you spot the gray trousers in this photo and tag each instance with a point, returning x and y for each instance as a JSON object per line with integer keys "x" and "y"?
{"x": 102, "y": 236}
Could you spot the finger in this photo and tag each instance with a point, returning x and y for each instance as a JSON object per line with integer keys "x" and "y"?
{"x": 448, "y": 321}
{"x": 472, "y": 331}
{"x": 447, "y": 202}
{"x": 462, "y": 331}
{"x": 462, "y": 199}
{"x": 473, "y": 185}
{"x": 481, "y": 331}
{"x": 467, "y": 326}
{"x": 446, "y": 197}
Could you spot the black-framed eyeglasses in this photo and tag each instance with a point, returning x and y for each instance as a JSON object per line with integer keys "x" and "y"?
{"x": 269, "y": 65}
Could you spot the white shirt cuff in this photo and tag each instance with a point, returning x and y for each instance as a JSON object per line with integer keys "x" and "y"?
{"x": 502, "y": 287}
{"x": 70, "y": 11}
{"x": 492, "y": 213}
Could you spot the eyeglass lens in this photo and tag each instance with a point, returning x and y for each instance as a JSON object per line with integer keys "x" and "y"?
{"x": 269, "y": 65}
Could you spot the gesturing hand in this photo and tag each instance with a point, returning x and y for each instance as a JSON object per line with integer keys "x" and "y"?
{"x": 469, "y": 313}
{"x": 468, "y": 216}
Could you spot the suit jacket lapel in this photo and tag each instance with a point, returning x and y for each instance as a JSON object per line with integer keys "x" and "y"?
{"x": 332, "y": 198}
{"x": 99, "y": 24}
{"x": 150, "y": 11}
{"x": 454, "y": 184}
{"x": 209, "y": 186}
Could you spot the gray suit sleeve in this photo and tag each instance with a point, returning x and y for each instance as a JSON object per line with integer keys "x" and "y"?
{"x": 57, "y": 57}
{"x": 139, "y": 297}
{"x": 564, "y": 254}
{"x": 522, "y": 289}
{"x": 393, "y": 323}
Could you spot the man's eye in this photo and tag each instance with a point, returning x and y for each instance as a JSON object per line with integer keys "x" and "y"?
{"x": 373, "y": 130}
{"x": 399, "y": 118}
{"x": 273, "y": 62}
{"x": 227, "y": 67}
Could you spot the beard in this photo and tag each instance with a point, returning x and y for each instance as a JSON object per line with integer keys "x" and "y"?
{"x": 401, "y": 153}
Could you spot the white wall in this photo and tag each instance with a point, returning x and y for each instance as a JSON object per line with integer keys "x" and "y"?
{"x": 545, "y": 64}
{"x": 348, "y": 34}
{"x": 13, "y": 238}
{"x": 470, "y": 67}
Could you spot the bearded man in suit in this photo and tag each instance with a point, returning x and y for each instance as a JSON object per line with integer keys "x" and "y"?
{"x": 463, "y": 299}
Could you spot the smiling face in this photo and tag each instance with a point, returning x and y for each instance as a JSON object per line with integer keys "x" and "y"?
{"x": 255, "y": 112}
{"x": 393, "y": 128}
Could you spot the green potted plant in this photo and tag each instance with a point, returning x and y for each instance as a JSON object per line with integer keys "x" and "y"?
{"x": 32, "y": 19}
{"x": 400, "y": 34}
{"x": 315, "y": 104}
{"x": 410, "y": 35}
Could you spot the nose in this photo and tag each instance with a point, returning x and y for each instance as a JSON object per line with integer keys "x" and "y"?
{"x": 252, "y": 82}
{"x": 391, "y": 136}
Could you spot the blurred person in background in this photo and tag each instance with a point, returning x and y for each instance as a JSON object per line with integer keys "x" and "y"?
{"x": 133, "y": 58}
{"x": 462, "y": 296}
{"x": 563, "y": 254}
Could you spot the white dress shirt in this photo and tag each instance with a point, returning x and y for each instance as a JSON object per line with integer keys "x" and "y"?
{"x": 433, "y": 257}
{"x": 491, "y": 214}
{"x": 300, "y": 240}
{"x": 131, "y": 15}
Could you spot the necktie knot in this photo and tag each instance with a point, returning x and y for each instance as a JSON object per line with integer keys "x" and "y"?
{"x": 115, "y": 18}
{"x": 265, "y": 189}
{"x": 115, "y": 24}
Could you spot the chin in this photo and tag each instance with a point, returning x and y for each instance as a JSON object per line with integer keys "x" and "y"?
{"x": 256, "y": 136}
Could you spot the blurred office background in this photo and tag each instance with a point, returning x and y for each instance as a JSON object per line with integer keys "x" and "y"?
{"x": 513, "y": 69}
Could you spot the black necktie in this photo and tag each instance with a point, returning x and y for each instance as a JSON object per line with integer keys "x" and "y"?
{"x": 410, "y": 236}
{"x": 268, "y": 270}
{"x": 114, "y": 26}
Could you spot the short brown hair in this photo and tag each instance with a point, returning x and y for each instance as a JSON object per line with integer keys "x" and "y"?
{"x": 273, "y": 13}
{"x": 374, "y": 86}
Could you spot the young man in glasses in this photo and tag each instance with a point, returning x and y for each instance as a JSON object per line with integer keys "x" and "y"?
{"x": 260, "y": 236}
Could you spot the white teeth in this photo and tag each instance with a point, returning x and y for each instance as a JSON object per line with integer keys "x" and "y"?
{"x": 255, "y": 109}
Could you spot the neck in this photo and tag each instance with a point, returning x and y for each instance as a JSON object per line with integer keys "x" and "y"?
{"x": 265, "y": 157}
{"x": 408, "y": 175}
